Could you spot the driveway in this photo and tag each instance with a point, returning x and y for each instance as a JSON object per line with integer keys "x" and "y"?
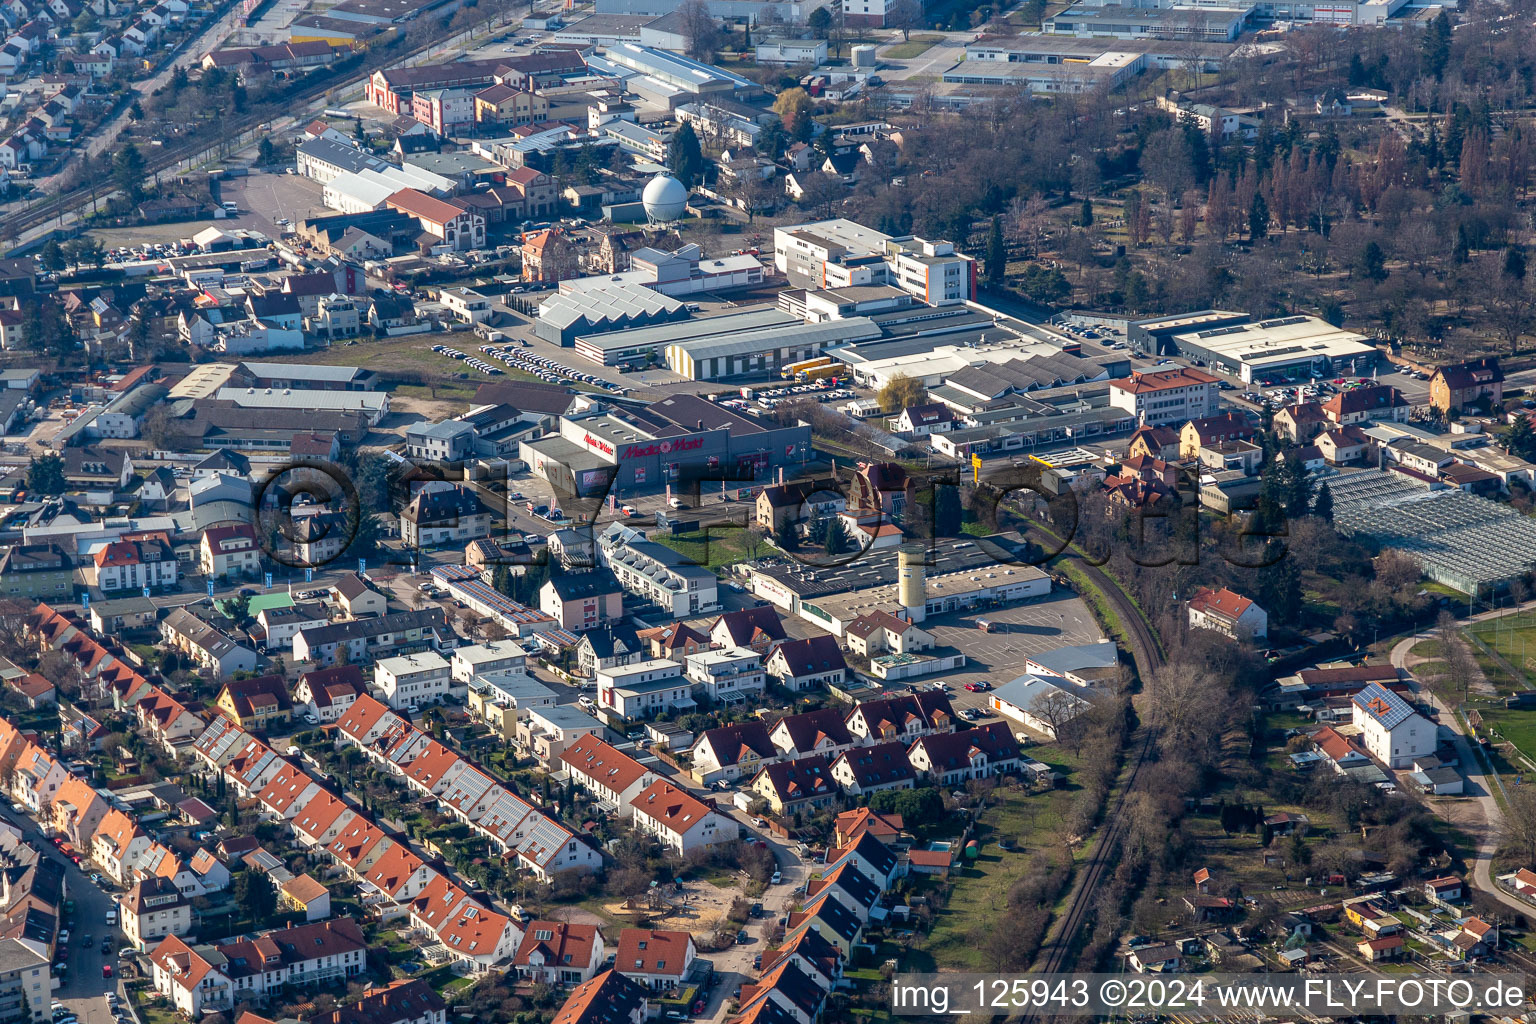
{"x": 85, "y": 988}
{"x": 733, "y": 967}
{"x": 1477, "y": 785}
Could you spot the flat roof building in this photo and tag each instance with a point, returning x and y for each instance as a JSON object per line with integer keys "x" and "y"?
{"x": 1285, "y": 348}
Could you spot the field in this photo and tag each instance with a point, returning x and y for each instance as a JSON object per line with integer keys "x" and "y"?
{"x": 914, "y": 47}
{"x": 1517, "y": 727}
{"x": 1512, "y": 637}
{"x": 980, "y": 893}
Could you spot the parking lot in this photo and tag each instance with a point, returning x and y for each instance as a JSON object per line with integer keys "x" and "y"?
{"x": 1058, "y": 620}
{"x": 264, "y": 199}
{"x": 517, "y": 357}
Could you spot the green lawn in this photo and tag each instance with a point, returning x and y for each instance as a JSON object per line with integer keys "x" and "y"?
{"x": 1513, "y": 637}
{"x": 715, "y": 548}
{"x": 1517, "y": 727}
{"x": 913, "y": 47}
{"x": 981, "y": 886}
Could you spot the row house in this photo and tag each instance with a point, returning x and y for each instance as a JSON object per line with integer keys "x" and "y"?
{"x": 678, "y": 820}
{"x": 326, "y": 694}
{"x": 76, "y": 811}
{"x": 612, "y": 776}
{"x": 152, "y": 909}
{"x": 204, "y": 979}
{"x": 36, "y": 779}
{"x": 168, "y": 722}
{"x": 119, "y": 846}
{"x": 464, "y": 791}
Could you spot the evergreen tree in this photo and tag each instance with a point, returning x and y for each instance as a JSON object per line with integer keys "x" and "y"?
{"x": 1258, "y": 218}
{"x": 1322, "y": 505}
{"x": 837, "y": 537}
{"x": 997, "y": 256}
{"x": 1298, "y": 488}
{"x": 1519, "y": 439}
{"x": 501, "y": 579}
{"x": 947, "y": 514}
{"x": 128, "y": 172}
{"x": 685, "y": 159}
{"x": 52, "y": 256}
{"x": 1372, "y": 265}
{"x": 1435, "y": 52}
{"x": 786, "y": 536}
{"x": 45, "y": 475}
{"x": 816, "y": 531}
{"x": 1357, "y": 72}
{"x": 1086, "y": 217}
{"x": 1514, "y": 263}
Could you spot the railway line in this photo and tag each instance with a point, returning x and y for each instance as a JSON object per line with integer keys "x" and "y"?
{"x": 236, "y": 133}
{"x": 1055, "y": 954}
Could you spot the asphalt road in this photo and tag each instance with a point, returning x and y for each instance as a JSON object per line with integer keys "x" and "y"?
{"x": 84, "y": 988}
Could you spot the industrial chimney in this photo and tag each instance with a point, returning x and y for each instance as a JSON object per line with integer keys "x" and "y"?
{"x": 911, "y": 588}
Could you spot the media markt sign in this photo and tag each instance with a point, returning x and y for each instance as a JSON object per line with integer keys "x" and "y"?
{"x": 636, "y": 451}
{"x": 598, "y": 443}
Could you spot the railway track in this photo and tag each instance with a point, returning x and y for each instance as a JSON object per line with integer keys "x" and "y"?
{"x": 1055, "y": 954}
{"x": 233, "y": 130}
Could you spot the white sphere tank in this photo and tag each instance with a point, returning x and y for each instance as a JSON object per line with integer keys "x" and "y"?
{"x": 664, "y": 198}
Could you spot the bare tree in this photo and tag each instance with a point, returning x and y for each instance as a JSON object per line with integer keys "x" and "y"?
{"x": 904, "y": 15}
{"x": 701, "y": 33}
{"x": 1518, "y": 830}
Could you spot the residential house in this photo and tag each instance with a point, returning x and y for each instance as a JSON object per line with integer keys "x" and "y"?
{"x": 559, "y": 953}
{"x": 1391, "y": 730}
{"x": 356, "y": 598}
{"x": 327, "y": 693}
{"x": 1343, "y": 446}
{"x": 865, "y": 770}
{"x": 207, "y": 645}
{"x": 610, "y": 646}
{"x": 580, "y": 601}
{"x": 880, "y": 632}
{"x": 733, "y": 751}
{"x": 609, "y": 998}
{"x": 1365, "y": 404}
{"x": 152, "y": 909}
{"x": 757, "y": 628}
{"x": 443, "y": 515}
{"x": 954, "y": 758}
{"x": 812, "y": 732}
{"x": 812, "y": 663}
{"x": 654, "y": 958}
{"x": 1154, "y": 443}
{"x": 1229, "y": 613}
{"x": 789, "y": 787}
{"x": 257, "y": 703}
{"x": 230, "y": 552}
{"x": 680, "y": 821}
{"x": 904, "y": 718}
{"x": 1206, "y": 430}
{"x": 412, "y": 680}
{"x": 1300, "y": 423}
{"x": 1454, "y": 387}
{"x": 612, "y": 776}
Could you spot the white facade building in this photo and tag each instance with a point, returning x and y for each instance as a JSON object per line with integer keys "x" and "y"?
{"x": 1392, "y": 731}
{"x": 412, "y": 679}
